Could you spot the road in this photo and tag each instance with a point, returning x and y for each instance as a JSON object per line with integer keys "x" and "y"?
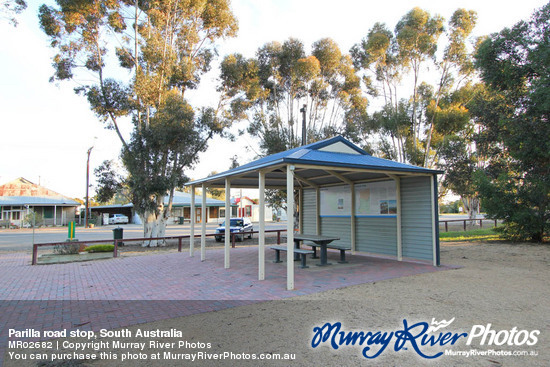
{"x": 22, "y": 239}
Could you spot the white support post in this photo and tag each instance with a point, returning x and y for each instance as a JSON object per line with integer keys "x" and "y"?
{"x": 434, "y": 239}
{"x": 399, "y": 235}
{"x": 353, "y": 219}
{"x": 290, "y": 227}
{"x": 261, "y": 235}
{"x": 318, "y": 211}
{"x": 203, "y": 223}
{"x": 55, "y": 215}
{"x": 192, "y": 211}
{"x": 227, "y": 243}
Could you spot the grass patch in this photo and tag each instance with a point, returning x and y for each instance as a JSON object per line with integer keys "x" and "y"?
{"x": 482, "y": 234}
{"x": 100, "y": 248}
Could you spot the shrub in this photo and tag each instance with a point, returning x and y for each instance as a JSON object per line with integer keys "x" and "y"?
{"x": 100, "y": 248}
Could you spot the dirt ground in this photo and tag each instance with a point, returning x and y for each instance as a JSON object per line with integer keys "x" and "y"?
{"x": 505, "y": 285}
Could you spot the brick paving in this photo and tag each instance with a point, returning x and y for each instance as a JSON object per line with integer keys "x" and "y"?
{"x": 115, "y": 293}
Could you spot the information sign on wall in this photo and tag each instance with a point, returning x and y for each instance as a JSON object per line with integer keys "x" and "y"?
{"x": 376, "y": 198}
{"x": 336, "y": 201}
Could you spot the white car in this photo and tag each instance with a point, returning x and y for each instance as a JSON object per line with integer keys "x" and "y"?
{"x": 239, "y": 225}
{"x": 118, "y": 219}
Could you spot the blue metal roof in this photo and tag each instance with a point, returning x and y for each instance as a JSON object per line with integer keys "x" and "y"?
{"x": 36, "y": 201}
{"x": 366, "y": 161}
{"x": 312, "y": 154}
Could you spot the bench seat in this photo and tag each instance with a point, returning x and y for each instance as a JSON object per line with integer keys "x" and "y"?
{"x": 303, "y": 253}
{"x": 341, "y": 248}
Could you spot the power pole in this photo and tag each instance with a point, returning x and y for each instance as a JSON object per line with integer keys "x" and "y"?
{"x": 87, "y": 187}
{"x": 303, "y": 111}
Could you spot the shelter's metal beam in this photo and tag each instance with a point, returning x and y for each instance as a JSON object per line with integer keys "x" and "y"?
{"x": 254, "y": 179}
{"x": 352, "y": 169}
{"x": 273, "y": 169}
{"x": 306, "y": 181}
{"x": 340, "y": 177}
{"x": 235, "y": 185}
{"x": 319, "y": 177}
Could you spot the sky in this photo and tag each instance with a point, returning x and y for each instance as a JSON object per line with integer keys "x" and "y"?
{"x": 46, "y": 130}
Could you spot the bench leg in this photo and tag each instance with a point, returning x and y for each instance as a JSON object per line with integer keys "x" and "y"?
{"x": 277, "y": 256}
{"x": 297, "y": 246}
{"x": 314, "y": 256}
{"x": 342, "y": 257}
{"x": 304, "y": 266}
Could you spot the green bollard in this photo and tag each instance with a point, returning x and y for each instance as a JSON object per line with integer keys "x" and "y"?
{"x": 71, "y": 231}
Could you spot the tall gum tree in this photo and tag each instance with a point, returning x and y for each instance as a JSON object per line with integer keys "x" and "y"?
{"x": 165, "y": 46}
{"x": 417, "y": 34}
{"x": 270, "y": 89}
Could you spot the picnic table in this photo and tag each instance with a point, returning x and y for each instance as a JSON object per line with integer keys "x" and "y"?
{"x": 321, "y": 241}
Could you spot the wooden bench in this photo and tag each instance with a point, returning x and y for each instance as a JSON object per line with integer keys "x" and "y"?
{"x": 342, "y": 249}
{"x": 300, "y": 251}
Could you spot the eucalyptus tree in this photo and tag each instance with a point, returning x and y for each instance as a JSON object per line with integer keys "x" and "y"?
{"x": 417, "y": 34}
{"x": 270, "y": 89}
{"x": 377, "y": 56}
{"x": 134, "y": 61}
{"x": 392, "y": 63}
{"x": 455, "y": 67}
{"x": 386, "y": 58}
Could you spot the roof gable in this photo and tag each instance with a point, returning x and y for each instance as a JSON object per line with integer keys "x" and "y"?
{"x": 24, "y": 188}
{"x": 339, "y": 147}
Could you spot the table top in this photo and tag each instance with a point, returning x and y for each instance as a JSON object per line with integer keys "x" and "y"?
{"x": 314, "y": 237}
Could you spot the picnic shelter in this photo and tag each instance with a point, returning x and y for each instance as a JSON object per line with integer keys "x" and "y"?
{"x": 373, "y": 205}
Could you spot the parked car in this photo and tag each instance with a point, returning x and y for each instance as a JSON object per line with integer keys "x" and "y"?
{"x": 236, "y": 225}
{"x": 118, "y": 219}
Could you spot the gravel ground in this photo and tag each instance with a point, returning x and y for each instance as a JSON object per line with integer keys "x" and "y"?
{"x": 500, "y": 284}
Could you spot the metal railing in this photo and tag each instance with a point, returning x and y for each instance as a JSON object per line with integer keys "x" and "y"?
{"x": 467, "y": 220}
{"x": 119, "y": 242}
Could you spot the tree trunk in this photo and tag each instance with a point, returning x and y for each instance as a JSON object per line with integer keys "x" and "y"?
{"x": 153, "y": 226}
{"x": 471, "y": 204}
{"x": 161, "y": 223}
{"x": 149, "y": 220}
